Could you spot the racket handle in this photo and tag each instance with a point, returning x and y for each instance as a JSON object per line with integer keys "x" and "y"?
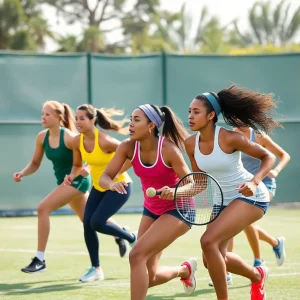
{"x": 151, "y": 192}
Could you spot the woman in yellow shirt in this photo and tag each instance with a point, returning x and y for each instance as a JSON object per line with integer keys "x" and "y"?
{"x": 97, "y": 148}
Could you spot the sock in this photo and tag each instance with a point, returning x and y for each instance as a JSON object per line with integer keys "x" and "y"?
{"x": 40, "y": 255}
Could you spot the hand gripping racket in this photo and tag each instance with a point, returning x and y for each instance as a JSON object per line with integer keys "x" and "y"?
{"x": 198, "y": 198}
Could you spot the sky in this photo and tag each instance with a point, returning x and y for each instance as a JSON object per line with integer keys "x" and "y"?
{"x": 226, "y": 10}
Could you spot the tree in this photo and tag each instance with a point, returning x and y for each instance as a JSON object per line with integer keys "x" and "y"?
{"x": 268, "y": 25}
{"x": 21, "y": 25}
{"x": 176, "y": 29}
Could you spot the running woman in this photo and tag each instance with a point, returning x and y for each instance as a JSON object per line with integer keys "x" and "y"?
{"x": 97, "y": 149}
{"x": 56, "y": 142}
{"x": 159, "y": 163}
{"x": 217, "y": 151}
{"x": 251, "y": 164}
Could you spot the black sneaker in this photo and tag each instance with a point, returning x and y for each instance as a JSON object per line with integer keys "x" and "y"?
{"x": 35, "y": 266}
{"x": 122, "y": 246}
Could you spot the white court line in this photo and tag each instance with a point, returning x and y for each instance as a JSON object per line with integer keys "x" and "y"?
{"x": 82, "y": 253}
{"x": 75, "y": 253}
{"x": 111, "y": 285}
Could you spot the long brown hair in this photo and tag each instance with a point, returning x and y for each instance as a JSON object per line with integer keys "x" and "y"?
{"x": 103, "y": 118}
{"x": 65, "y": 113}
{"x": 173, "y": 127}
{"x": 241, "y": 108}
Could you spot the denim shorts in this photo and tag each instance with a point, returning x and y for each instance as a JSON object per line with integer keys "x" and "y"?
{"x": 271, "y": 188}
{"x": 173, "y": 212}
{"x": 262, "y": 205}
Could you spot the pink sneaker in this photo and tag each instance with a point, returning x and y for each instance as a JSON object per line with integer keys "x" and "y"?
{"x": 189, "y": 283}
{"x": 258, "y": 289}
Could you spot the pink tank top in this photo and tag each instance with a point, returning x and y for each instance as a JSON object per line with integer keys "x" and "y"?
{"x": 157, "y": 176}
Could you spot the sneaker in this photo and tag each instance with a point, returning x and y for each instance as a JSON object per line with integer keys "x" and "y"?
{"x": 92, "y": 275}
{"x": 122, "y": 246}
{"x": 279, "y": 251}
{"x": 258, "y": 289}
{"x": 189, "y": 283}
{"x": 258, "y": 262}
{"x": 228, "y": 279}
{"x": 35, "y": 266}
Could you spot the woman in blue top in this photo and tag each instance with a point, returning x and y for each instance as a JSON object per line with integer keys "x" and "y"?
{"x": 251, "y": 164}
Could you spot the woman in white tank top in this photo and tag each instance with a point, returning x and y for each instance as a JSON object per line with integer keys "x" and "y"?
{"x": 217, "y": 151}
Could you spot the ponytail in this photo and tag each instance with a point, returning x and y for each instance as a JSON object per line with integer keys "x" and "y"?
{"x": 104, "y": 121}
{"x": 103, "y": 118}
{"x": 244, "y": 108}
{"x": 173, "y": 128}
{"x": 68, "y": 118}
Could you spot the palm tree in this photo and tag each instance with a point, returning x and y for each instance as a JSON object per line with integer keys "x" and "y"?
{"x": 178, "y": 32}
{"x": 270, "y": 25}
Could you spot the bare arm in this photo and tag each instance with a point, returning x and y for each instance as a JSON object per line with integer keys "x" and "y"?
{"x": 243, "y": 144}
{"x": 36, "y": 160}
{"x": 77, "y": 159}
{"x": 113, "y": 168}
{"x": 274, "y": 148}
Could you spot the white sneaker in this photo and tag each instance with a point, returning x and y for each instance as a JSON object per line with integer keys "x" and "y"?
{"x": 228, "y": 278}
{"x": 279, "y": 251}
{"x": 190, "y": 283}
{"x": 92, "y": 275}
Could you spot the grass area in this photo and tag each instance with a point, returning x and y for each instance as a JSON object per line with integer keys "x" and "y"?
{"x": 67, "y": 260}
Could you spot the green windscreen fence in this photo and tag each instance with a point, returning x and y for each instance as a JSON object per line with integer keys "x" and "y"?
{"x": 124, "y": 82}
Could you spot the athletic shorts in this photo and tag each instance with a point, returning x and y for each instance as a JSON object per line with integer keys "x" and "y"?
{"x": 262, "y": 205}
{"x": 174, "y": 213}
{"x": 271, "y": 186}
{"x": 82, "y": 184}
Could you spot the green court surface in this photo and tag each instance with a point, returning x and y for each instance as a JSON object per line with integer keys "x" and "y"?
{"x": 67, "y": 260}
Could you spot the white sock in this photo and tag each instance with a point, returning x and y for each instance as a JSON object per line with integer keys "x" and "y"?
{"x": 40, "y": 255}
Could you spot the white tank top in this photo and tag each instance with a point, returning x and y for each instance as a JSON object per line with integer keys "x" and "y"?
{"x": 228, "y": 170}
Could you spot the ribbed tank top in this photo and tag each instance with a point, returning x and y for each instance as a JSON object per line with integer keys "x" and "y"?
{"x": 228, "y": 170}
{"x": 157, "y": 176}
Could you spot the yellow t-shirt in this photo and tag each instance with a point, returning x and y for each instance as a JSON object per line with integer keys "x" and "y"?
{"x": 98, "y": 161}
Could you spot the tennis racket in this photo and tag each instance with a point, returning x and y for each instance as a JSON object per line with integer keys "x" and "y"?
{"x": 198, "y": 198}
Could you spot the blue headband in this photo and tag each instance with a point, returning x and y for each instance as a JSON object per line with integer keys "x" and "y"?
{"x": 214, "y": 102}
{"x": 152, "y": 114}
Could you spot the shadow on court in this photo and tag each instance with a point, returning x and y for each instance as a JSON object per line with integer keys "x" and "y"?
{"x": 30, "y": 287}
{"x": 196, "y": 293}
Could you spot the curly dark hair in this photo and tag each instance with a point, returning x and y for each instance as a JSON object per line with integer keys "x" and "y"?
{"x": 242, "y": 108}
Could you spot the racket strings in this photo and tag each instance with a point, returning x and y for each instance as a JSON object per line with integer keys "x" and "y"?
{"x": 199, "y": 198}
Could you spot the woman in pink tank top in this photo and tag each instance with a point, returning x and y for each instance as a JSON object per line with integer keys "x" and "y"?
{"x": 158, "y": 162}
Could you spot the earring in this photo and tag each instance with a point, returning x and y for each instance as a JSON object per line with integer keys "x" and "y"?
{"x": 149, "y": 131}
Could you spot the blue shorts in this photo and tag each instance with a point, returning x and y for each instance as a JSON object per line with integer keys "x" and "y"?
{"x": 174, "y": 213}
{"x": 271, "y": 187}
{"x": 262, "y": 205}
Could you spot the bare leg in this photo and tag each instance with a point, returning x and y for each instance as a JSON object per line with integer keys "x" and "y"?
{"x": 253, "y": 239}
{"x": 61, "y": 196}
{"x": 264, "y": 236}
{"x": 154, "y": 236}
{"x": 214, "y": 245}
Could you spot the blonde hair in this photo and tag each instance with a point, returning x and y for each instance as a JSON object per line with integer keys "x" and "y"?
{"x": 65, "y": 113}
{"x": 103, "y": 118}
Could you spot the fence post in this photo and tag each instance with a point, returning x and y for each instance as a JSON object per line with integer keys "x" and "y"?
{"x": 164, "y": 77}
{"x": 89, "y": 78}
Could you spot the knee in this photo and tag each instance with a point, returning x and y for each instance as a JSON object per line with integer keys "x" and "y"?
{"x": 43, "y": 210}
{"x": 136, "y": 256}
{"x": 207, "y": 243}
{"x": 97, "y": 225}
